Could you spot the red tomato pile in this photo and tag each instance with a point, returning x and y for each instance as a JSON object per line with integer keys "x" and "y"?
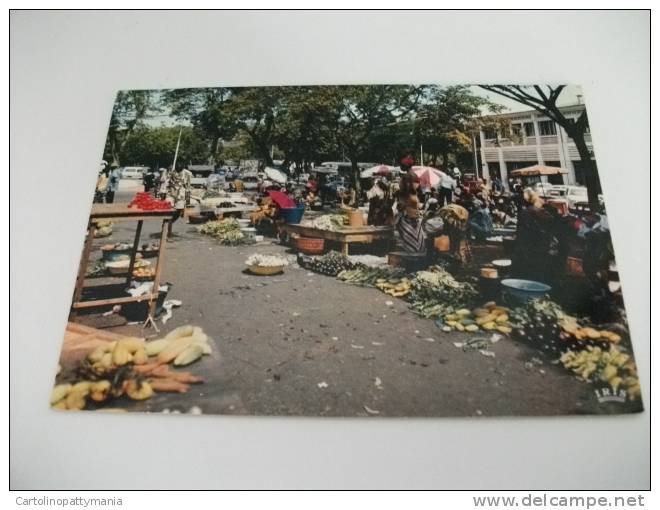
{"x": 146, "y": 202}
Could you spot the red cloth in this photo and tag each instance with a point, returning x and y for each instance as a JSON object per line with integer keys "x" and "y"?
{"x": 281, "y": 199}
{"x": 407, "y": 161}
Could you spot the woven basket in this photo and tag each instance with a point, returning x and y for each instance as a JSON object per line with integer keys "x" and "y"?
{"x": 266, "y": 270}
{"x": 310, "y": 246}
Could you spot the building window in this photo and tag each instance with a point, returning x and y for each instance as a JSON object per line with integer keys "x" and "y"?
{"x": 516, "y": 129}
{"x": 529, "y": 129}
{"x": 547, "y": 128}
{"x": 490, "y": 134}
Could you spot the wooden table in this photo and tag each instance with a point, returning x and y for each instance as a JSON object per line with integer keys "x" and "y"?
{"x": 345, "y": 236}
{"x": 118, "y": 213}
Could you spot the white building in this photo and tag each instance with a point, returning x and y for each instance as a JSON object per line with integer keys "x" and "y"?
{"x": 536, "y": 140}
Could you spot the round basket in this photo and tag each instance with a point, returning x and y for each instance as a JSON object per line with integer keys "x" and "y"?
{"x": 310, "y": 246}
{"x": 266, "y": 270}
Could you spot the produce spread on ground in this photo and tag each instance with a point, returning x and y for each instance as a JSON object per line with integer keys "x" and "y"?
{"x": 451, "y": 300}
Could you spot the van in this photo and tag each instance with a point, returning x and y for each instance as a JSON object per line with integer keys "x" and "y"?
{"x": 133, "y": 172}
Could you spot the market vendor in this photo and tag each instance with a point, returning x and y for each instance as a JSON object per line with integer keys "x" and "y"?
{"x": 348, "y": 198}
{"x": 178, "y": 189}
{"x": 101, "y": 184}
{"x": 480, "y": 222}
{"x": 408, "y": 221}
{"x": 455, "y": 219}
{"x": 406, "y": 163}
{"x": 380, "y": 204}
{"x": 537, "y": 252}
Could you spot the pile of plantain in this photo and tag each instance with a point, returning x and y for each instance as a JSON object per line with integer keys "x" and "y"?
{"x": 135, "y": 368}
{"x": 488, "y": 317}
{"x": 610, "y": 366}
{"x": 395, "y": 287}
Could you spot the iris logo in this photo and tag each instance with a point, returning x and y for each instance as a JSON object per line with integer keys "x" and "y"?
{"x": 608, "y": 394}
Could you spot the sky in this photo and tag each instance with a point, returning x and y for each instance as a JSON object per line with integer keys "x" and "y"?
{"x": 568, "y": 96}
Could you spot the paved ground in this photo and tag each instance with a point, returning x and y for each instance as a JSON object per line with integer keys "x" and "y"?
{"x": 306, "y": 344}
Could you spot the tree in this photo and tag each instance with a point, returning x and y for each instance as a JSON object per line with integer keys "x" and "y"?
{"x": 545, "y": 102}
{"x": 444, "y": 123}
{"x": 254, "y": 111}
{"x": 130, "y": 109}
{"x": 366, "y": 114}
{"x": 155, "y": 147}
{"x": 205, "y": 109}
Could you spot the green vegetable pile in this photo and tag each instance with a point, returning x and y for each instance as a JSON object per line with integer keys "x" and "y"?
{"x": 330, "y": 264}
{"x": 369, "y": 276}
{"x": 436, "y": 292}
{"x": 226, "y": 231}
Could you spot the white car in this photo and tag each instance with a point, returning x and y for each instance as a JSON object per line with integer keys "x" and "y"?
{"x": 576, "y": 194}
{"x": 133, "y": 172}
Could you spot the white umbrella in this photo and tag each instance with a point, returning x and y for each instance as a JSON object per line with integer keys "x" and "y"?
{"x": 428, "y": 176}
{"x": 275, "y": 175}
{"x": 378, "y": 169}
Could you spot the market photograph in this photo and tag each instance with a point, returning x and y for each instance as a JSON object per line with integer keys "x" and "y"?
{"x": 352, "y": 250}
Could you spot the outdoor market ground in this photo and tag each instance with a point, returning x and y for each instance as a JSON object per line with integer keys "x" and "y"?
{"x": 306, "y": 344}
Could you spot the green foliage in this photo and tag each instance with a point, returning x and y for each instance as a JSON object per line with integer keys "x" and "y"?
{"x": 300, "y": 124}
{"x": 130, "y": 109}
{"x": 154, "y": 147}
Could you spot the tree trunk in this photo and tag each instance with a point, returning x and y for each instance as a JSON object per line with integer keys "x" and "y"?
{"x": 590, "y": 171}
{"x": 356, "y": 174}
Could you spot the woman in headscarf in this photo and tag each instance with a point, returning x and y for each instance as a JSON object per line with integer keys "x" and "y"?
{"x": 455, "y": 219}
{"x": 409, "y": 221}
{"x": 537, "y": 248}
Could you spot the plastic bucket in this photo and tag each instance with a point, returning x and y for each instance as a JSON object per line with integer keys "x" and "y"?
{"x": 292, "y": 215}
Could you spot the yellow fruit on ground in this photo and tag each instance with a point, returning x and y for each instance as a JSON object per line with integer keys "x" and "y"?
{"x": 489, "y": 325}
{"x": 120, "y": 355}
{"x": 59, "y": 392}
{"x": 502, "y": 318}
{"x": 472, "y": 328}
{"x": 504, "y": 329}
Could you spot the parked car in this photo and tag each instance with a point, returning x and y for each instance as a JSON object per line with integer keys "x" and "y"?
{"x": 250, "y": 182}
{"x": 198, "y": 182}
{"x": 133, "y": 172}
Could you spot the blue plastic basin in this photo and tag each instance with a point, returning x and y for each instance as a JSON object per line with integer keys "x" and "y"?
{"x": 525, "y": 290}
{"x": 292, "y": 215}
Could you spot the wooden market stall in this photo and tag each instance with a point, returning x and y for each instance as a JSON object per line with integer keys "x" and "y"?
{"x": 120, "y": 213}
{"x": 345, "y": 236}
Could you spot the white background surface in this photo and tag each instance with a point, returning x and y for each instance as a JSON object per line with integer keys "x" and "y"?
{"x": 65, "y": 70}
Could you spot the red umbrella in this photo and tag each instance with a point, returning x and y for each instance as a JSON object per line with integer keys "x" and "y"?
{"x": 428, "y": 176}
{"x": 281, "y": 199}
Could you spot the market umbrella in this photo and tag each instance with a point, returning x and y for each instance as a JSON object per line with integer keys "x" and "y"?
{"x": 428, "y": 176}
{"x": 539, "y": 170}
{"x": 282, "y": 200}
{"x": 377, "y": 170}
{"x": 275, "y": 175}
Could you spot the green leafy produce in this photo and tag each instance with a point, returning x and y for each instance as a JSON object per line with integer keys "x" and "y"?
{"x": 226, "y": 231}
{"x": 436, "y": 292}
{"x": 369, "y": 276}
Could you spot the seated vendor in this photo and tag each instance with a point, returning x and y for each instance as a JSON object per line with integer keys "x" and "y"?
{"x": 480, "y": 222}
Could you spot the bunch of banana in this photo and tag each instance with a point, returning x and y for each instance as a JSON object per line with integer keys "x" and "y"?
{"x": 580, "y": 333}
{"x": 611, "y": 366}
{"x": 121, "y": 367}
{"x": 73, "y": 397}
{"x": 395, "y": 287}
{"x": 488, "y": 317}
{"x": 368, "y": 276}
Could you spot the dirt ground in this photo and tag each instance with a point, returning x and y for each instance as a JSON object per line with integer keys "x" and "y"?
{"x": 306, "y": 344}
